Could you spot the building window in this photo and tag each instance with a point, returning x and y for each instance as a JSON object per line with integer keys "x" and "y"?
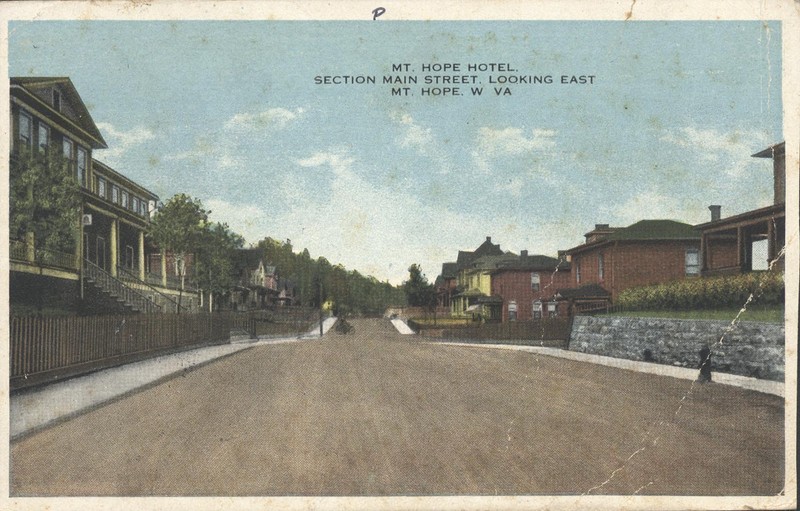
{"x": 512, "y": 310}
{"x": 81, "y": 167}
{"x": 537, "y": 310}
{"x": 124, "y": 203}
{"x": 44, "y": 137}
{"x": 143, "y": 206}
{"x": 600, "y": 268}
{"x": 67, "y": 148}
{"x": 101, "y": 187}
{"x": 115, "y": 194}
{"x": 692, "y": 261}
{"x": 535, "y": 281}
{"x": 25, "y": 124}
{"x": 135, "y": 204}
{"x": 56, "y": 100}
{"x": 578, "y": 272}
{"x": 552, "y": 310}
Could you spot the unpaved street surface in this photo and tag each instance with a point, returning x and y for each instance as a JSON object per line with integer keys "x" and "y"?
{"x": 377, "y": 413}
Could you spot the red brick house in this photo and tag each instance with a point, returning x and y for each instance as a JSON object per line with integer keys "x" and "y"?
{"x": 528, "y": 284}
{"x": 647, "y": 252}
{"x": 727, "y": 243}
{"x": 445, "y": 284}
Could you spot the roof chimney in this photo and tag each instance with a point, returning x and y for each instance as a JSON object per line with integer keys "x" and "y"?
{"x": 523, "y": 253}
{"x": 715, "y": 212}
{"x": 601, "y": 226}
{"x": 489, "y": 239}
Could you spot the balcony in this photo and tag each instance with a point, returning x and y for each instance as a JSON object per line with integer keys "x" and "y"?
{"x": 19, "y": 251}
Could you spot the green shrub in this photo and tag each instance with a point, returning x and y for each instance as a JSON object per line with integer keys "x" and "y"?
{"x": 767, "y": 288}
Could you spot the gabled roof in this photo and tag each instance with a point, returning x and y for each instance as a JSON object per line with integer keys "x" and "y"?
{"x": 490, "y": 262}
{"x": 449, "y": 270}
{"x": 84, "y": 119}
{"x": 645, "y": 230}
{"x": 485, "y": 248}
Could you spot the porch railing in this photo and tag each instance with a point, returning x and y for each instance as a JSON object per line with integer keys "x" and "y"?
{"x": 18, "y": 251}
{"x": 166, "y": 303}
{"x": 116, "y": 287}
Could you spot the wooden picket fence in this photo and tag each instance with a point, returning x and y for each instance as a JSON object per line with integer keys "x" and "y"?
{"x": 44, "y": 349}
{"x": 552, "y": 332}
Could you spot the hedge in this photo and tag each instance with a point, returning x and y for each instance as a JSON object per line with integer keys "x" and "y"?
{"x": 707, "y": 292}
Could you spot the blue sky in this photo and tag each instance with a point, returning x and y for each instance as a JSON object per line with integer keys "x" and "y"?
{"x": 229, "y": 112}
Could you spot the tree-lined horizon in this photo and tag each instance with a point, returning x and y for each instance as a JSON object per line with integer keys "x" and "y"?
{"x": 182, "y": 226}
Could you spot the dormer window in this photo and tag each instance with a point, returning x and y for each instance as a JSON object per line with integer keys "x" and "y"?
{"x": 57, "y": 100}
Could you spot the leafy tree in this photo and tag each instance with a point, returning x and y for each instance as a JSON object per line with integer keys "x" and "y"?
{"x": 44, "y": 201}
{"x": 179, "y": 227}
{"x": 214, "y": 268}
{"x": 419, "y": 293}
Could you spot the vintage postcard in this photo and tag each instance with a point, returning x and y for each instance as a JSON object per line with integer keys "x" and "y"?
{"x": 365, "y": 255}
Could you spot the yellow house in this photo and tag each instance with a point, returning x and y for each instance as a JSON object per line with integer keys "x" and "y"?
{"x": 472, "y": 296}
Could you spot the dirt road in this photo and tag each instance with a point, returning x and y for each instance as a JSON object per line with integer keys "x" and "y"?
{"x": 374, "y": 413}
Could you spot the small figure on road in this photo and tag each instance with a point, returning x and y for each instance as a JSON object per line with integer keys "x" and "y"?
{"x": 705, "y": 365}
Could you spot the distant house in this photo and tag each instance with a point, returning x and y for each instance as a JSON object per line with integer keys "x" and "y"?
{"x": 527, "y": 285}
{"x": 258, "y": 283}
{"x": 644, "y": 253}
{"x": 287, "y": 293}
{"x": 727, "y": 243}
{"x": 471, "y": 284}
{"x": 473, "y": 293}
{"x": 445, "y": 285}
{"x": 108, "y": 267}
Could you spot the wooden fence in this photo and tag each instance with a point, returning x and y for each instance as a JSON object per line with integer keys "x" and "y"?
{"x": 277, "y": 321}
{"x": 548, "y": 332}
{"x": 51, "y": 348}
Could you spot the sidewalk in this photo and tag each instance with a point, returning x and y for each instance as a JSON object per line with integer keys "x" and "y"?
{"x": 684, "y": 373}
{"x": 39, "y": 407}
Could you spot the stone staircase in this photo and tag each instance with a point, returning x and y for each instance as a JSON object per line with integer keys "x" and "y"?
{"x": 125, "y": 295}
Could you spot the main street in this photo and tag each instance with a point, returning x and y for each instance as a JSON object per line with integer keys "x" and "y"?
{"x": 377, "y": 413}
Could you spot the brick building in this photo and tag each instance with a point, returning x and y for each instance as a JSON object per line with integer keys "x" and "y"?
{"x": 647, "y": 252}
{"x": 528, "y": 284}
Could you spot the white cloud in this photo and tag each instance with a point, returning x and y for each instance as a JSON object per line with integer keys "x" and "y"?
{"x": 414, "y": 135}
{"x": 513, "y": 140}
{"x": 208, "y": 151}
{"x": 272, "y": 118}
{"x": 121, "y": 141}
{"x": 493, "y": 143}
{"x": 337, "y": 159}
{"x": 422, "y": 139}
{"x": 245, "y": 219}
{"x": 726, "y": 152}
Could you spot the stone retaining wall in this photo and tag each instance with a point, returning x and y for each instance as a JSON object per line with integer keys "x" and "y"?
{"x": 748, "y": 349}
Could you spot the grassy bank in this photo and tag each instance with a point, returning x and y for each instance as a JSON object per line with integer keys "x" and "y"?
{"x": 765, "y": 315}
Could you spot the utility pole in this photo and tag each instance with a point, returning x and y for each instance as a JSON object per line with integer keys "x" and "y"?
{"x": 320, "y": 308}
